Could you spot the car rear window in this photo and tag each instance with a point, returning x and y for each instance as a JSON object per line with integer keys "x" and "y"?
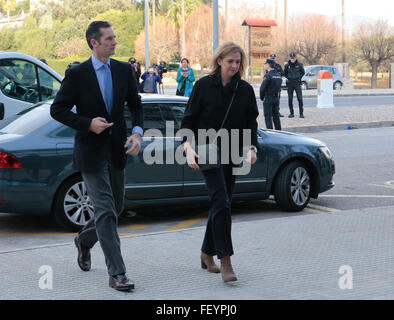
{"x": 29, "y": 121}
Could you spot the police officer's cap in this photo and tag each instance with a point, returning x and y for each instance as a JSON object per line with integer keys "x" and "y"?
{"x": 292, "y": 55}
{"x": 270, "y": 61}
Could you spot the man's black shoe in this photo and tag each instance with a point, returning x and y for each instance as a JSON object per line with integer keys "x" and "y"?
{"x": 291, "y": 115}
{"x": 121, "y": 282}
{"x": 302, "y": 116}
{"x": 83, "y": 255}
{"x": 281, "y": 115}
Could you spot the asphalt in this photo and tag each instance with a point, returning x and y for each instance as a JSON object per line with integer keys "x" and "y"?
{"x": 341, "y": 255}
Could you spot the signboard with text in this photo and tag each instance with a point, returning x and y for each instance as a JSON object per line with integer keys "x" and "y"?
{"x": 260, "y": 40}
{"x": 260, "y": 44}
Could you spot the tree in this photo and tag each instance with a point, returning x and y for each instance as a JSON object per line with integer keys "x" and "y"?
{"x": 8, "y": 6}
{"x": 313, "y": 37}
{"x": 163, "y": 44}
{"x": 72, "y": 47}
{"x": 374, "y": 43}
{"x": 127, "y": 26}
{"x": 7, "y": 39}
{"x": 199, "y": 30}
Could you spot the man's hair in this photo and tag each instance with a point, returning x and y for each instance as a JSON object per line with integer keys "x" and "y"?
{"x": 94, "y": 32}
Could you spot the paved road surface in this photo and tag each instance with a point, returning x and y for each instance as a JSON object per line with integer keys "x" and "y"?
{"x": 364, "y": 179}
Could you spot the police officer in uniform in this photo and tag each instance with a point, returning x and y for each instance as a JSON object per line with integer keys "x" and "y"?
{"x": 278, "y": 68}
{"x": 269, "y": 93}
{"x": 294, "y": 71}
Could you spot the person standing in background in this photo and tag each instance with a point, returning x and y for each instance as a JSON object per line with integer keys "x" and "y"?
{"x": 279, "y": 69}
{"x": 294, "y": 71}
{"x": 269, "y": 93}
{"x": 185, "y": 78}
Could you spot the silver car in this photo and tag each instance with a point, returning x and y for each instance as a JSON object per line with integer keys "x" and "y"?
{"x": 309, "y": 80}
{"x": 24, "y": 81}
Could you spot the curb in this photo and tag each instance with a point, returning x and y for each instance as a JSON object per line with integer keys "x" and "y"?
{"x": 339, "y": 126}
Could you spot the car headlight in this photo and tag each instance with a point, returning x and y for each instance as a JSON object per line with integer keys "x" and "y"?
{"x": 327, "y": 153}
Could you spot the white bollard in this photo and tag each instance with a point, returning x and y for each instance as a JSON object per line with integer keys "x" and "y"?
{"x": 325, "y": 90}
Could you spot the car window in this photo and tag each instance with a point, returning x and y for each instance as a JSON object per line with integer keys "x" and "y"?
{"x": 174, "y": 112}
{"x": 29, "y": 121}
{"x": 314, "y": 70}
{"x": 153, "y": 117}
{"x": 18, "y": 80}
{"x": 49, "y": 85}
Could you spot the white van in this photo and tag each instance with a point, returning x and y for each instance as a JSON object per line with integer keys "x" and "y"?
{"x": 24, "y": 81}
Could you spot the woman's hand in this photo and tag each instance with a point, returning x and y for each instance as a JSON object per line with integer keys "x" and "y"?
{"x": 191, "y": 156}
{"x": 251, "y": 157}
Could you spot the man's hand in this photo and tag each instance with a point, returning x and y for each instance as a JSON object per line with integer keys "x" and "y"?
{"x": 98, "y": 125}
{"x": 251, "y": 157}
{"x": 135, "y": 140}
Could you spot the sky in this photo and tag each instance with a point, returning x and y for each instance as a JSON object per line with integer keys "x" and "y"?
{"x": 366, "y": 8}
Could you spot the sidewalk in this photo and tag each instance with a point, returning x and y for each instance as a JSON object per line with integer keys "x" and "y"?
{"x": 340, "y": 118}
{"x": 170, "y": 88}
{"x": 295, "y": 257}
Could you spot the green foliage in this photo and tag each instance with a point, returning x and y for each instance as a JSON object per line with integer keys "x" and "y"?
{"x": 60, "y": 65}
{"x": 7, "y": 39}
{"x": 175, "y": 9}
{"x": 127, "y": 26}
{"x": 46, "y": 36}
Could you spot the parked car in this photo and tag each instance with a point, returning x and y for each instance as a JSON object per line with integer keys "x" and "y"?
{"x": 309, "y": 80}
{"x": 37, "y": 176}
{"x": 24, "y": 81}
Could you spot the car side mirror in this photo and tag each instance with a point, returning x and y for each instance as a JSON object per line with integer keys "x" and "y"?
{"x": 1, "y": 111}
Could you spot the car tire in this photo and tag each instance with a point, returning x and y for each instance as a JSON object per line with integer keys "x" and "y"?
{"x": 304, "y": 86}
{"x": 293, "y": 187}
{"x": 72, "y": 207}
{"x": 337, "y": 85}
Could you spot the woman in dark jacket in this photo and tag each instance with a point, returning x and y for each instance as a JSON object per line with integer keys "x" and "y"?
{"x": 206, "y": 109}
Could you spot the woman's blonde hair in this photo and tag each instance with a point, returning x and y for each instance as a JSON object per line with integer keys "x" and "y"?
{"x": 226, "y": 49}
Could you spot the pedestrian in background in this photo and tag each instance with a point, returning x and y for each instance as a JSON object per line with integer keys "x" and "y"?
{"x": 294, "y": 71}
{"x": 278, "y": 68}
{"x": 211, "y": 98}
{"x": 149, "y": 80}
{"x": 135, "y": 66}
{"x": 270, "y": 93}
{"x": 185, "y": 78}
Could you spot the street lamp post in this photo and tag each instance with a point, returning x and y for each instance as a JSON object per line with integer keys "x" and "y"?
{"x": 147, "y": 35}
{"x": 215, "y": 25}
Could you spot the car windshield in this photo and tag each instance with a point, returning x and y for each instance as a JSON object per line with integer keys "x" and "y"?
{"x": 29, "y": 120}
{"x": 307, "y": 69}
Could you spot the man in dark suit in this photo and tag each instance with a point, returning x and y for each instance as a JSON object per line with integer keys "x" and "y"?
{"x": 99, "y": 88}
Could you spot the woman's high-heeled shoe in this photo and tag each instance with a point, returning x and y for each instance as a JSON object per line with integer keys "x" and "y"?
{"x": 207, "y": 262}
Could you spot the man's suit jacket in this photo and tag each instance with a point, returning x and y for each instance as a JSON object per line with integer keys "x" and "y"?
{"x": 80, "y": 87}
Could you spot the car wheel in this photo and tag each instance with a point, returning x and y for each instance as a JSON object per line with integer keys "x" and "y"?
{"x": 73, "y": 208}
{"x": 292, "y": 187}
{"x": 304, "y": 86}
{"x": 337, "y": 85}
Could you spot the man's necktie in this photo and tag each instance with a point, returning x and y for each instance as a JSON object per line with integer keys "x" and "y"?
{"x": 108, "y": 88}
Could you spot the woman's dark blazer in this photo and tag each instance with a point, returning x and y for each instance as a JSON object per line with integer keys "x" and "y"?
{"x": 209, "y": 101}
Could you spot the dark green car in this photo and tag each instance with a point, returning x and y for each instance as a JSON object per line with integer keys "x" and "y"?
{"x": 37, "y": 176}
